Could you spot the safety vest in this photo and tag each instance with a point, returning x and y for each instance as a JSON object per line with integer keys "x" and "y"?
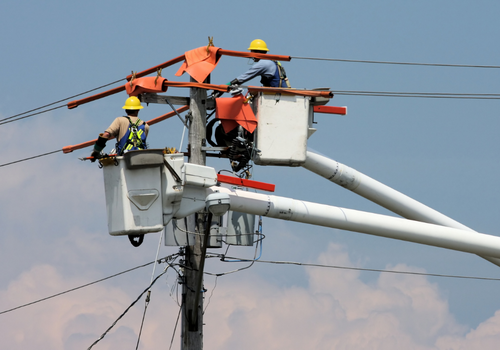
{"x": 278, "y": 80}
{"x": 134, "y": 138}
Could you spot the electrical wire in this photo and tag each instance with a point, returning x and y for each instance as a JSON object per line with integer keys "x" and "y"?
{"x": 397, "y": 63}
{"x": 53, "y": 103}
{"x": 370, "y": 270}
{"x": 260, "y": 261}
{"x": 29, "y": 115}
{"x": 446, "y": 95}
{"x": 211, "y": 294}
{"x": 76, "y": 288}
{"x": 443, "y": 95}
{"x": 148, "y": 297}
{"x": 127, "y": 309}
{"x": 11, "y": 118}
{"x": 22, "y": 160}
{"x": 435, "y": 95}
{"x": 223, "y": 259}
{"x": 175, "y": 327}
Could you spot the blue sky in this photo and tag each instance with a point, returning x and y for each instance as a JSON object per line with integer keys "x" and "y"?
{"x": 442, "y": 152}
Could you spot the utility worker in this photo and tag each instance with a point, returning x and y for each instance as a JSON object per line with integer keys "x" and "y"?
{"x": 271, "y": 72}
{"x": 129, "y": 131}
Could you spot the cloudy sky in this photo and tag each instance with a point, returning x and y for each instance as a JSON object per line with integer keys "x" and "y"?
{"x": 440, "y": 151}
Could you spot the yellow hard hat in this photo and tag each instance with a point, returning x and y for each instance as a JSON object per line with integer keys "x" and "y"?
{"x": 259, "y": 45}
{"x": 132, "y": 103}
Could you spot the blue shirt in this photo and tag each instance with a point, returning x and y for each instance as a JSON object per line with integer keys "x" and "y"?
{"x": 264, "y": 68}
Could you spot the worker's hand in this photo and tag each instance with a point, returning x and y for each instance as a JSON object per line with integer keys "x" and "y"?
{"x": 233, "y": 82}
{"x": 96, "y": 155}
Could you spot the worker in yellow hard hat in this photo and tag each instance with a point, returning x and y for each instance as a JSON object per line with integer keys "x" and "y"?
{"x": 129, "y": 131}
{"x": 271, "y": 72}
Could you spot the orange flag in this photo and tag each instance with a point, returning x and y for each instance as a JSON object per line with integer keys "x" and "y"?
{"x": 199, "y": 63}
{"x": 233, "y": 111}
{"x": 145, "y": 84}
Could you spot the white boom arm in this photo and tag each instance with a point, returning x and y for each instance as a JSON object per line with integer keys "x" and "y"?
{"x": 146, "y": 189}
{"x": 381, "y": 194}
{"x": 353, "y": 220}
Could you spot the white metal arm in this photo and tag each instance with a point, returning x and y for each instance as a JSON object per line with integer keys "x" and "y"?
{"x": 353, "y": 220}
{"x": 381, "y": 194}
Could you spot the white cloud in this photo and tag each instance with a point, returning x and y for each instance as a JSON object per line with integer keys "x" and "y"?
{"x": 485, "y": 336}
{"x": 336, "y": 310}
{"x": 74, "y": 320}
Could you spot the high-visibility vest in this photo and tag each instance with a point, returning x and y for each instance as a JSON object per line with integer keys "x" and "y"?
{"x": 134, "y": 138}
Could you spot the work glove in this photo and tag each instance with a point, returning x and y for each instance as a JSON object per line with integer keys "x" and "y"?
{"x": 98, "y": 147}
{"x": 96, "y": 155}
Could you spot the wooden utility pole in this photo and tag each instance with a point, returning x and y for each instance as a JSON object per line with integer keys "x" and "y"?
{"x": 192, "y": 300}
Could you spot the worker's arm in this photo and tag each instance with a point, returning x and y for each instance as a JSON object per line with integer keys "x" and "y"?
{"x": 259, "y": 68}
{"x": 100, "y": 144}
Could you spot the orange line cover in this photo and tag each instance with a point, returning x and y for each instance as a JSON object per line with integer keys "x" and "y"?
{"x": 200, "y": 63}
{"x": 224, "y": 87}
{"x": 262, "y": 56}
{"x": 276, "y": 90}
{"x": 71, "y": 148}
{"x": 145, "y": 84}
{"x": 76, "y": 103}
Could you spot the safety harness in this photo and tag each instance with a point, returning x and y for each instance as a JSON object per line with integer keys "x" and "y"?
{"x": 134, "y": 138}
{"x": 279, "y": 78}
{"x": 282, "y": 75}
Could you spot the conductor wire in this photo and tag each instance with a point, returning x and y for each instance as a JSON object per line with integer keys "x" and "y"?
{"x": 148, "y": 296}
{"x": 399, "y": 63}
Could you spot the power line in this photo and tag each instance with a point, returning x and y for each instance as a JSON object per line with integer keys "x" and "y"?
{"x": 444, "y": 95}
{"x": 372, "y": 270}
{"x": 53, "y": 103}
{"x": 30, "y": 115}
{"x": 259, "y": 261}
{"x": 175, "y": 327}
{"x": 367, "y": 93}
{"x": 22, "y": 160}
{"x": 76, "y": 288}
{"x": 127, "y": 309}
{"x": 397, "y": 63}
{"x": 453, "y": 95}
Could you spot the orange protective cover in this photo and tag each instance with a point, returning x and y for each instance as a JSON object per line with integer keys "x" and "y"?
{"x": 145, "y": 84}
{"x": 199, "y": 63}
{"x": 233, "y": 111}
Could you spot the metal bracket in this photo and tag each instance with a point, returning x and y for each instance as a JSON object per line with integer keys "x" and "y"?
{"x": 163, "y": 99}
{"x": 155, "y": 98}
{"x": 220, "y": 149}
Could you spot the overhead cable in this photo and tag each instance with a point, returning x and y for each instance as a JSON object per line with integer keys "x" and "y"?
{"x": 38, "y": 156}
{"x": 370, "y": 270}
{"x": 398, "y": 63}
{"x": 53, "y": 103}
{"x": 127, "y": 309}
{"x": 175, "y": 328}
{"x": 29, "y": 115}
{"x": 294, "y": 57}
{"x": 259, "y": 261}
{"x": 76, "y": 288}
{"x": 71, "y": 148}
{"x": 419, "y": 94}
{"x": 148, "y": 297}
